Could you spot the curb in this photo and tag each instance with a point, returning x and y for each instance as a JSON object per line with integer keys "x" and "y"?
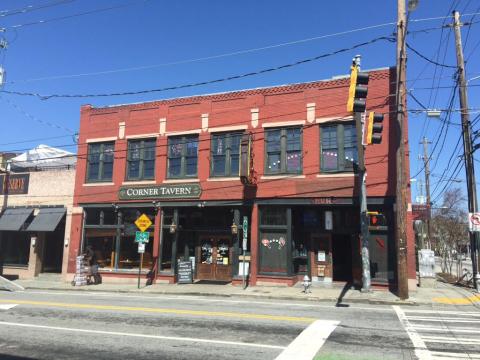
{"x": 332, "y": 300}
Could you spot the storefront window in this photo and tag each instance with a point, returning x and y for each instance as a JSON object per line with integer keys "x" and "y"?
{"x": 111, "y": 250}
{"x": 15, "y": 248}
{"x": 274, "y": 216}
{"x": 274, "y": 245}
{"x": 100, "y": 216}
{"x": 102, "y": 243}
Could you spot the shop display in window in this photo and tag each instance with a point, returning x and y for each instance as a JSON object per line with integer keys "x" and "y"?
{"x": 207, "y": 252}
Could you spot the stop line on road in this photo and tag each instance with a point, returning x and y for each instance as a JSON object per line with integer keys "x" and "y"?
{"x": 442, "y": 334}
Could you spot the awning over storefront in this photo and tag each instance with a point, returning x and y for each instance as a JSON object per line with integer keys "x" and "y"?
{"x": 47, "y": 219}
{"x": 13, "y": 219}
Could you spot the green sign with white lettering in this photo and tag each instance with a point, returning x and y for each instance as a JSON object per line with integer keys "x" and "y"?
{"x": 142, "y": 236}
{"x": 177, "y": 191}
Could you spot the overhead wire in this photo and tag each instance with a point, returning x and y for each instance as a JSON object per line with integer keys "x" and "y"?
{"x": 95, "y": 11}
{"x": 31, "y": 8}
{"x": 207, "y": 82}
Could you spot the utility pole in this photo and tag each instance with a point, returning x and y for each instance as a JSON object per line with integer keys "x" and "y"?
{"x": 426, "y": 163}
{"x": 401, "y": 208}
{"x": 467, "y": 146}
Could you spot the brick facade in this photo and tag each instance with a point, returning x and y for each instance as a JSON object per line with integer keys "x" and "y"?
{"x": 308, "y": 105}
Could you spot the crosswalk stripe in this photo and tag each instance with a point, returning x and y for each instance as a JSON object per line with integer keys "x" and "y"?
{"x": 421, "y": 350}
{"x": 449, "y": 340}
{"x": 420, "y": 318}
{"x": 451, "y": 355}
{"x": 445, "y": 329}
{"x": 434, "y": 312}
{"x": 303, "y": 348}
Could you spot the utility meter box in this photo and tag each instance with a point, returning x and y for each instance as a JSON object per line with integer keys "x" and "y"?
{"x": 426, "y": 267}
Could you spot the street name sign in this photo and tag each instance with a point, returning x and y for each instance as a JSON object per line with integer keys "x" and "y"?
{"x": 143, "y": 222}
{"x": 245, "y": 233}
{"x": 142, "y": 236}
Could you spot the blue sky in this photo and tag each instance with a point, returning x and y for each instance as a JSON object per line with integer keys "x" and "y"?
{"x": 89, "y": 54}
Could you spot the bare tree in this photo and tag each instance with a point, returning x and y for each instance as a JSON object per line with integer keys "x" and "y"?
{"x": 450, "y": 229}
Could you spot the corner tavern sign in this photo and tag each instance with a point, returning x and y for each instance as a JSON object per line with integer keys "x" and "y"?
{"x": 177, "y": 191}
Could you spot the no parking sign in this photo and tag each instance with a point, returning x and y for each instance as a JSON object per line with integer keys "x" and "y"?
{"x": 474, "y": 221}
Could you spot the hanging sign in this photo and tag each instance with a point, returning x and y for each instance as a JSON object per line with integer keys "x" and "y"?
{"x": 474, "y": 221}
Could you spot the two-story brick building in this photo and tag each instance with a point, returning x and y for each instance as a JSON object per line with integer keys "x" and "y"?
{"x": 178, "y": 160}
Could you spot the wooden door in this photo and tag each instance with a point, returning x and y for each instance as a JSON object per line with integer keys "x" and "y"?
{"x": 321, "y": 256}
{"x": 214, "y": 258}
{"x": 223, "y": 258}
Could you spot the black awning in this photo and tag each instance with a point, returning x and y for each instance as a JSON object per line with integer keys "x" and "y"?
{"x": 47, "y": 219}
{"x": 13, "y": 219}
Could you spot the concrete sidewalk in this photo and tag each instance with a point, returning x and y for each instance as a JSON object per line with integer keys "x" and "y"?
{"x": 444, "y": 293}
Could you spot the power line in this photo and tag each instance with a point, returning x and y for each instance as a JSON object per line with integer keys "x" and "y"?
{"x": 30, "y": 8}
{"x": 207, "y": 82}
{"x": 427, "y": 59}
{"x": 46, "y": 21}
{"x": 43, "y": 122}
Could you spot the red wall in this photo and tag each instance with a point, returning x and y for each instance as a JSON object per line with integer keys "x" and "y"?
{"x": 278, "y": 104}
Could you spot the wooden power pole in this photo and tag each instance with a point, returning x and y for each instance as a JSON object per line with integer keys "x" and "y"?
{"x": 467, "y": 146}
{"x": 426, "y": 164}
{"x": 401, "y": 186}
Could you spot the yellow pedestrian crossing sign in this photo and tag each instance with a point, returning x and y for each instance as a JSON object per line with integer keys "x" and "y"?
{"x": 143, "y": 222}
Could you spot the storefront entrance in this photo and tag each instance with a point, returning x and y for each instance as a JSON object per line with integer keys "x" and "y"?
{"x": 214, "y": 256}
{"x": 342, "y": 258}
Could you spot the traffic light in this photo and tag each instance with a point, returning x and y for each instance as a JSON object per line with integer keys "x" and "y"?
{"x": 357, "y": 93}
{"x": 376, "y": 219}
{"x": 374, "y": 128}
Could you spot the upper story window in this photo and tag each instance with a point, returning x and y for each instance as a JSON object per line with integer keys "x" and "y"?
{"x": 141, "y": 159}
{"x": 338, "y": 147}
{"x": 225, "y": 154}
{"x": 283, "y": 151}
{"x": 182, "y": 156}
{"x": 100, "y": 162}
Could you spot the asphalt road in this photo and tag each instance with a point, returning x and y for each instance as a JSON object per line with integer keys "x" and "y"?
{"x": 81, "y": 325}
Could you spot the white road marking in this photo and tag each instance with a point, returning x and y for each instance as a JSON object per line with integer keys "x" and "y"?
{"x": 460, "y": 313}
{"x": 310, "y": 340}
{"x": 158, "y": 337}
{"x": 450, "y": 340}
{"x": 421, "y": 350}
{"x": 445, "y": 329}
{"x": 203, "y": 299}
{"x": 448, "y": 355}
{"x": 7, "y": 306}
{"x": 421, "y": 318}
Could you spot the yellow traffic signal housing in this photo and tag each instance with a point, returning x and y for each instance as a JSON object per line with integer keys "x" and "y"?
{"x": 357, "y": 92}
{"x": 374, "y": 128}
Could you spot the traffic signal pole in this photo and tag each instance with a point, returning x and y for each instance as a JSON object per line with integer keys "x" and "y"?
{"x": 467, "y": 147}
{"x": 357, "y": 104}
{"x": 362, "y": 178}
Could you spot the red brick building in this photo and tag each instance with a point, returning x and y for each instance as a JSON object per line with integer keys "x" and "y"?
{"x": 177, "y": 161}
